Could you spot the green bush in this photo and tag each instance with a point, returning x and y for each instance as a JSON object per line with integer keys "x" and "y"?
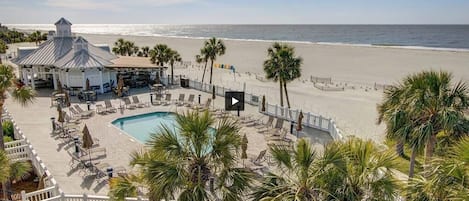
{"x": 7, "y": 139}
{"x": 8, "y": 129}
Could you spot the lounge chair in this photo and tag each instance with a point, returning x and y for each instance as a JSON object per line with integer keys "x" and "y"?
{"x": 260, "y": 158}
{"x": 190, "y": 100}
{"x": 71, "y": 120}
{"x": 109, "y": 106}
{"x": 268, "y": 124}
{"x": 157, "y": 100}
{"x": 100, "y": 109}
{"x": 138, "y": 103}
{"x": 278, "y": 127}
{"x": 83, "y": 112}
{"x": 180, "y": 101}
{"x": 79, "y": 114}
{"x": 128, "y": 104}
{"x": 167, "y": 100}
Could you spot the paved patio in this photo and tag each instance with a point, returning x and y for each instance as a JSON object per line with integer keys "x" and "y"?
{"x": 35, "y": 122}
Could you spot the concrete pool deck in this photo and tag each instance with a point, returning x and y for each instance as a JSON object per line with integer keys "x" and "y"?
{"x": 34, "y": 120}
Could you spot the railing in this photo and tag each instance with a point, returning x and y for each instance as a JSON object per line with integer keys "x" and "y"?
{"x": 85, "y": 197}
{"x": 309, "y": 119}
{"x": 22, "y": 150}
{"x": 220, "y": 91}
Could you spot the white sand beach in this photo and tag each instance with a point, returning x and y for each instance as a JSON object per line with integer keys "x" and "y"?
{"x": 353, "y": 109}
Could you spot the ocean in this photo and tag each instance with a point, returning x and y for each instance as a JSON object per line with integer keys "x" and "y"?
{"x": 407, "y": 36}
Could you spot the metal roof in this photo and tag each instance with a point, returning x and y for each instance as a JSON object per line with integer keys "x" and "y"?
{"x": 80, "y": 60}
{"x": 63, "y": 21}
{"x": 51, "y": 52}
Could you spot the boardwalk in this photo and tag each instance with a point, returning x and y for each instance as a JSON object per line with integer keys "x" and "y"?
{"x": 35, "y": 122}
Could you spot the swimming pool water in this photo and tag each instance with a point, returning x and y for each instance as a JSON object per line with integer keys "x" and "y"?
{"x": 142, "y": 126}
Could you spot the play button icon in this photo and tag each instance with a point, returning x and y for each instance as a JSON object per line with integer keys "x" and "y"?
{"x": 234, "y": 100}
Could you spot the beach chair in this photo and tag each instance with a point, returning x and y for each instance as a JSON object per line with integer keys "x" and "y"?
{"x": 128, "y": 104}
{"x": 180, "y": 101}
{"x": 71, "y": 120}
{"x": 109, "y": 107}
{"x": 100, "y": 109}
{"x": 278, "y": 127}
{"x": 190, "y": 100}
{"x": 138, "y": 103}
{"x": 83, "y": 112}
{"x": 260, "y": 158}
{"x": 167, "y": 100}
{"x": 80, "y": 115}
{"x": 157, "y": 100}
{"x": 267, "y": 125}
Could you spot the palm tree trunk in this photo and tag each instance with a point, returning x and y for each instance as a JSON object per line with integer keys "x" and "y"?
{"x": 430, "y": 147}
{"x": 281, "y": 93}
{"x": 205, "y": 68}
{"x": 412, "y": 162}
{"x": 400, "y": 148}
{"x": 286, "y": 94}
{"x": 211, "y": 70}
{"x": 172, "y": 74}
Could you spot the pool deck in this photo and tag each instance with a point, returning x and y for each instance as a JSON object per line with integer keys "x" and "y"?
{"x": 34, "y": 121}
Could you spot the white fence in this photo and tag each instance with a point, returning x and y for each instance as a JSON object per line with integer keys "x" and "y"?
{"x": 22, "y": 150}
{"x": 220, "y": 91}
{"x": 85, "y": 197}
{"x": 309, "y": 119}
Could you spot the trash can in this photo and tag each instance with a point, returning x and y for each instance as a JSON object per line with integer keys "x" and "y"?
{"x": 185, "y": 83}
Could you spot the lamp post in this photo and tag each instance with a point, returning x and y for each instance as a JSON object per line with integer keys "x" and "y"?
{"x": 151, "y": 98}
{"x": 88, "y": 104}
{"x": 199, "y": 98}
{"x": 77, "y": 148}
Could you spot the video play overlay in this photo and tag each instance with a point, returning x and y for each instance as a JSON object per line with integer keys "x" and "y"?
{"x": 234, "y": 100}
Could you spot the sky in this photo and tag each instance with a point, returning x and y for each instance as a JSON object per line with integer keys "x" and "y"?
{"x": 236, "y": 11}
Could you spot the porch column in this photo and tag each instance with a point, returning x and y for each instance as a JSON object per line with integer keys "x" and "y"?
{"x": 83, "y": 79}
{"x": 24, "y": 76}
{"x": 67, "y": 78}
{"x": 54, "y": 78}
{"x": 32, "y": 78}
{"x": 101, "y": 80}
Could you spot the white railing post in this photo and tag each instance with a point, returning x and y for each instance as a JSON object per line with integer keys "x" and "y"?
{"x": 308, "y": 118}
{"x": 320, "y": 122}
{"x": 85, "y": 197}
{"x": 62, "y": 196}
{"x": 23, "y": 195}
{"x": 276, "y": 110}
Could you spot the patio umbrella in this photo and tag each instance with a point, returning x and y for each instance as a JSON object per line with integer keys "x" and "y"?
{"x": 87, "y": 84}
{"x": 67, "y": 99}
{"x": 263, "y": 104}
{"x": 300, "y": 119}
{"x": 87, "y": 140}
{"x": 244, "y": 147}
{"x": 59, "y": 86}
{"x": 213, "y": 92}
{"x": 120, "y": 86}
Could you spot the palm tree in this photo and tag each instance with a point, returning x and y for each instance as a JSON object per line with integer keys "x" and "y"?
{"x": 119, "y": 47}
{"x": 195, "y": 161}
{"x": 10, "y": 171}
{"x": 173, "y": 57}
{"x": 24, "y": 95}
{"x": 202, "y": 57}
{"x": 282, "y": 66}
{"x": 159, "y": 55}
{"x": 145, "y": 51}
{"x": 36, "y": 37}
{"x": 130, "y": 48}
{"x": 213, "y": 48}
{"x": 446, "y": 179}
{"x": 351, "y": 170}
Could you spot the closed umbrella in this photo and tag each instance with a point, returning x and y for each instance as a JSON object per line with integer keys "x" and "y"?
{"x": 120, "y": 86}
{"x": 60, "y": 117}
{"x": 244, "y": 147}
{"x": 263, "y": 104}
{"x": 87, "y": 140}
{"x": 213, "y": 92}
{"x": 87, "y": 84}
{"x": 67, "y": 99}
{"x": 60, "y": 89}
{"x": 300, "y": 119}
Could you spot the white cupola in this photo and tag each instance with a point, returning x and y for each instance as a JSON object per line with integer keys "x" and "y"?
{"x": 63, "y": 28}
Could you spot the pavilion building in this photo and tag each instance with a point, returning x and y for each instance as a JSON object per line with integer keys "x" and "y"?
{"x": 73, "y": 61}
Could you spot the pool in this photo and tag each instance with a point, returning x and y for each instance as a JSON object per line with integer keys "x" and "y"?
{"x": 142, "y": 126}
